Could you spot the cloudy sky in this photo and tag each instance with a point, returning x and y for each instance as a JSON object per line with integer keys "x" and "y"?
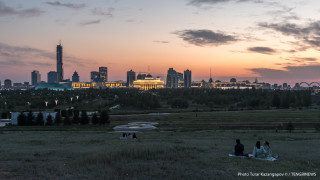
{"x": 276, "y": 41}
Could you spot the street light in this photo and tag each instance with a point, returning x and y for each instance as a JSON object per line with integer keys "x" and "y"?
{"x": 77, "y": 97}
{"x": 46, "y": 102}
{"x": 56, "y": 101}
{"x": 71, "y": 99}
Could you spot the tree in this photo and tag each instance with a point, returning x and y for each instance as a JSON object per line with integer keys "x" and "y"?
{"x": 84, "y": 118}
{"x": 75, "y": 119}
{"x": 180, "y": 103}
{"x": 275, "y": 100}
{"x": 67, "y": 120}
{"x": 95, "y": 119}
{"x": 104, "y": 117}
{"x": 49, "y": 120}
{"x": 30, "y": 118}
{"x": 22, "y": 119}
{"x": 58, "y": 118}
{"x": 39, "y": 119}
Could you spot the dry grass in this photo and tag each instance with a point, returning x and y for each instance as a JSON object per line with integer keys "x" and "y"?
{"x": 156, "y": 155}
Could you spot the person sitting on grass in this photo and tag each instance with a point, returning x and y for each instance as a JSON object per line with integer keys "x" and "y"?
{"x": 259, "y": 151}
{"x": 238, "y": 148}
{"x": 124, "y": 136}
{"x": 129, "y": 136}
{"x": 266, "y": 146}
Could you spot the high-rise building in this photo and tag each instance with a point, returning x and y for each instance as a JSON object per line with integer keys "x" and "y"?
{"x": 187, "y": 78}
{"x": 103, "y": 73}
{"x": 95, "y": 76}
{"x": 131, "y": 76}
{"x": 7, "y": 84}
{"x": 59, "y": 63}
{"x": 180, "y": 76}
{"x": 35, "y": 77}
{"x": 172, "y": 79}
{"x": 75, "y": 77}
{"x": 52, "y": 77}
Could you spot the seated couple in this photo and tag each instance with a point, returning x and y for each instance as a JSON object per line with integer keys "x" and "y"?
{"x": 129, "y": 136}
{"x": 262, "y": 152}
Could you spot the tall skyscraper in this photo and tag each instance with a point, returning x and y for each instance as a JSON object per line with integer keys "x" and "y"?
{"x": 35, "y": 77}
{"x": 75, "y": 77}
{"x": 187, "y": 78}
{"x": 103, "y": 73}
{"x": 172, "y": 79}
{"x": 59, "y": 63}
{"x": 52, "y": 77}
{"x": 7, "y": 84}
{"x": 95, "y": 76}
{"x": 131, "y": 76}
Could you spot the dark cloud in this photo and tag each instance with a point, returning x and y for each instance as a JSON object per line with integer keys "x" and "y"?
{"x": 205, "y": 37}
{"x": 67, "y": 5}
{"x": 302, "y": 59}
{"x": 262, "y": 50}
{"x": 290, "y": 73}
{"x": 23, "y": 56}
{"x": 85, "y": 23}
{"x": 7, "y": 11}
{"x": 308, "y": 35}
{"x": 108, "y": 13}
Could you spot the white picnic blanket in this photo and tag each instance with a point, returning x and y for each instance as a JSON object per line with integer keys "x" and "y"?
{"x": 250, "y": 155}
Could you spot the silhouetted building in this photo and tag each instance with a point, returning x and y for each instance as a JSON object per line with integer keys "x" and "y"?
{"x": 187, "y": 78}
{"x": 180, "y": 76}
{"x": 172, "y": 79}
{"x": 103, "y": 74}
{"x": 131, "y": 76}
{"x": 210, "y": 79}
{"x": 141, "y": 76}
{"x": 35, "y": 77}
{"x": 75, "y": 77}
{"x": 233, "y": 80}
{"x": 7, "y": 84}
{"x": 285, "y": 85}
{"x": 95, "y": 76}
{"x": 52, "y": 77}
{"x": 59, "y": 63}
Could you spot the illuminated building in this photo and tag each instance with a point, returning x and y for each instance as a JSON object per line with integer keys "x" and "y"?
{"x": 148, "y": 83}
{"x": 95, "y": 76}
{"x": 83, "y": 85}
{"x": 103, "y": 74}
{"x": 116, "y": 84}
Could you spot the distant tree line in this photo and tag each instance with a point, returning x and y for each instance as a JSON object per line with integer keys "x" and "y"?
{"x": 98, "y": 99}
{"x": 66, "y": 119}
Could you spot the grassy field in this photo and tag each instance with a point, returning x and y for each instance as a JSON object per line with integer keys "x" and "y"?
{"x": 178, "y": 149}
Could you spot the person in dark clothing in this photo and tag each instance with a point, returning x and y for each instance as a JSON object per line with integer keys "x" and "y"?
{"x": 238, "y": 148}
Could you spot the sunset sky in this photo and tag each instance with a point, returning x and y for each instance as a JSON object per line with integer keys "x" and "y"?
{"x": 276, "y": 41}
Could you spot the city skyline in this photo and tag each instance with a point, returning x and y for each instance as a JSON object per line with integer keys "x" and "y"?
{"x": 274, "y": 41}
